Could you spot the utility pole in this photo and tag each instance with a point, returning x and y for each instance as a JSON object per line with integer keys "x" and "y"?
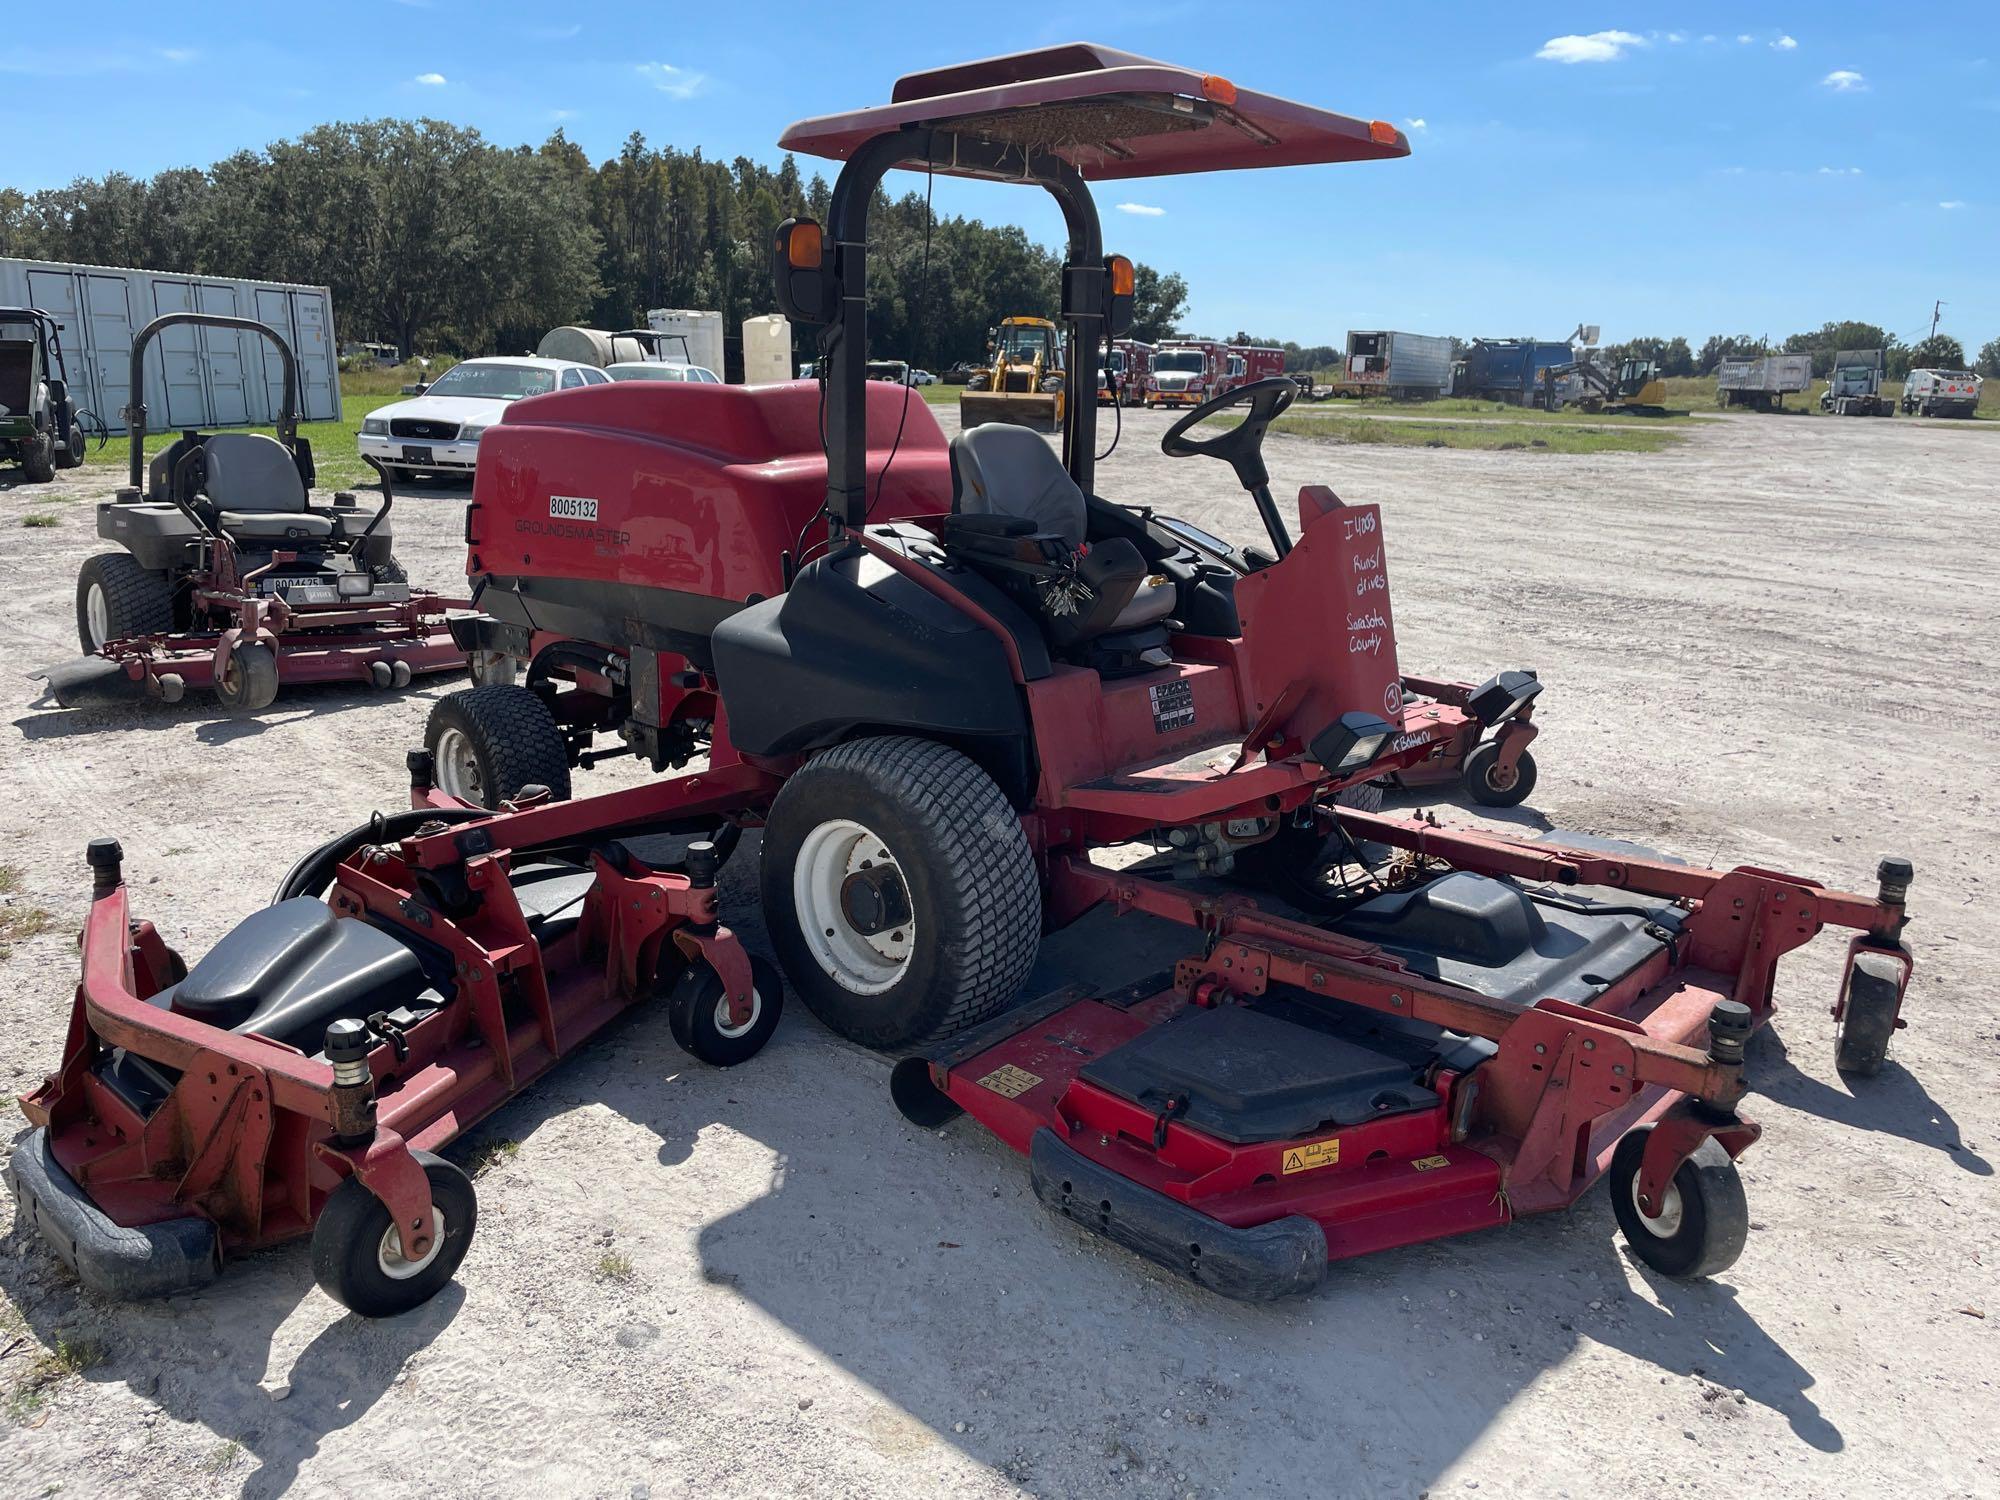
{"x": 1937, "y": 310}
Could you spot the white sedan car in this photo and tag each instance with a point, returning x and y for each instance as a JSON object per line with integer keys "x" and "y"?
{"x": 438, "y": 432}
{"x": 671, "y": 370}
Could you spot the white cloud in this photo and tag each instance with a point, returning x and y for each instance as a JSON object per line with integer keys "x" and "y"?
{"x": 562, "y": 114}
{"x": 1417, "y": 124}
{"x": 1744, "y": 39}
{"x": 1143, "y": 210}
{"x": 675, "y": 83}
{"x": 1951, "y": 203}
{"x": 429, "y": 80}
{"x": 1785, "y": 44}
{"x": 179, "y": 54}
{"x": 1599, "y": 46}
{"x": 1845, "y": 81}
{"x": 1709, "y": 37}
{"x": 1676, "y": 37}
{"x": 1840, "y": 171}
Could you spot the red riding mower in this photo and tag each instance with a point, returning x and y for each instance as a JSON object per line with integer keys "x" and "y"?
{"x": 232, "y": 579}
{"x": 984, "y": 676}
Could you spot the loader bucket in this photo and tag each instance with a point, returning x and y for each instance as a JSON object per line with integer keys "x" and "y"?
{"x": 1026, "y": 409}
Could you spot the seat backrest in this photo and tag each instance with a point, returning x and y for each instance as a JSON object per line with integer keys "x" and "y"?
{"x": 250, "y": 472}
{"x": 1009, "y": 471}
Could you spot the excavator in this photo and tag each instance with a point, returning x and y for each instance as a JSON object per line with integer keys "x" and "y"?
{"x": 1635, "y": 388}
{"x": 1024, "y": 384}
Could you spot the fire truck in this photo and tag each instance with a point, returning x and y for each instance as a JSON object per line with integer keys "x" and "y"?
{"x": 1130, "y": 363}
{"x": 1250, "y": 363}
{"x": 1186, "y": 372}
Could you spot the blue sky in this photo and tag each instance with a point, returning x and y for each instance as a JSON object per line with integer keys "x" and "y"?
{"x": 1695, "y": 175}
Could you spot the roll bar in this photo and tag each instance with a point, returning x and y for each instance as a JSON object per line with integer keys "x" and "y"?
{"x": 846, "y": 300}
{"x": 135, "y": 413}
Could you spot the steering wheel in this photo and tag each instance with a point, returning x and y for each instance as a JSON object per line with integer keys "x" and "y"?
{"x": 1242, "y": 446}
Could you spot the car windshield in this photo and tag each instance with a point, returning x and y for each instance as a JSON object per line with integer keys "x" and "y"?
{"x": 1180, "y": 361}
{"x": 649, "y": 372}
{"x": 493, "y": 382}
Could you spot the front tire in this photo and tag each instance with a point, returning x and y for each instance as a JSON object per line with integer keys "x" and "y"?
{"x": 1868, "y": 1016}
{"x": 1489, "y": 786}
{"x": 698, "y": 1015}
{"x": 1703, "y": 1225}
{"x": 117, "y": 599}
{"x": 357, "y": 1253}
{"x": 487, "y": 743}
{"x": 249, "y": 680}
{"x": 38, "y": 459}
{"x": 900, "y": 890}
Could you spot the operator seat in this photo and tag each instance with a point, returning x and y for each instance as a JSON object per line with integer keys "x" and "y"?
{"x": 1008, "y": 488}
{"x": 255, "y": 488}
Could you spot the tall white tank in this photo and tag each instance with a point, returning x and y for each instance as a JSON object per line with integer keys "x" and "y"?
{"x": 767, "y": 349}
{"x": 702, "y": 330}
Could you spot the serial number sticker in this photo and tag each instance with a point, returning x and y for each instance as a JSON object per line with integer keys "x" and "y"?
{"x": 1009, "y": 1082}
{"x": 1431, "y": 1163}
{"x": 1173, "y": 705}
{"x": 572, "y": 508}
{"x": 1313, "y": 1154}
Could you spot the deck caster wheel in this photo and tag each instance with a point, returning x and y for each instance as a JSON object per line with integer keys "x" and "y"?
{"x": 698, "y": 1014}
{"x": 399, "y": 674}
{"x": 357, "y": 1253}
{"x": 487, "y": 743}
{"x": 172, "y": 686}
{"x": 249, "y": 679}
{"x": 1489, "y": 786}
{"x": 1868, "y": 1016}
{"x": 1704, "y": 1223}
{"x": 379, "y": 676}
{"x": 899, "y": 889}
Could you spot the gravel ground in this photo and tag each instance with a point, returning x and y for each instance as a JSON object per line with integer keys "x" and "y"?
{"x": 1773, "y": 644}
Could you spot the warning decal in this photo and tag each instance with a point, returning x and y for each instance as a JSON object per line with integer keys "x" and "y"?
{"x": 1312, "y": 1154}
{"x": 1009, "y": 1082}
{"x": 1431, "y": 1163}
{"x": 1173, "y": 705}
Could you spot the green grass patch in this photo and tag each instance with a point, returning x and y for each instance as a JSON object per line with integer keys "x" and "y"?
{"x": 32, "y": 1391}
{"x": 1463, "y": 408}
{"x": 490, "y": 1153}
{"x": 335, "y": 445}
{"x": 615, "y": 1268}
{"x": 39, "y": 520}
{"x": 1486, "y": 436}
{"x": 10, "y": 880}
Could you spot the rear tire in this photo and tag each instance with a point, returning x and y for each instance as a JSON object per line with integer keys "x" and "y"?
{"x": 357, "y": 1254}
{"x": 250, "y": 680}
{"x": 116, "y": 596}
{"x": 1705, "y": 1222}
{"x": 911, "y": 871}
{"x": 389, "y": 572}
{"x": 487, "y": 743}
{"x": 72, "y": 456}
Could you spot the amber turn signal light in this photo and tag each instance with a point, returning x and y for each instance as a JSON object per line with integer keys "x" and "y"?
{"x": 1218, "y": 90}
{"x": 1382, "y": 133}
{"x": 802, "y": 246}
{"x": 1121, "y": 276}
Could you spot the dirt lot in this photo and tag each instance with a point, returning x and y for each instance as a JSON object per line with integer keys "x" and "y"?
{"x": 1773, "y": 644}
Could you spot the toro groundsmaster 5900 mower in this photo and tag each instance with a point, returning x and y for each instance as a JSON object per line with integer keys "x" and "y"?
{"x": 230, "y": 577}
{"x": 945, "y": 713}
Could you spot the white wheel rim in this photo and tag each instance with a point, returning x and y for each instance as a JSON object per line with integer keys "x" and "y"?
{"x": 866, "y": 963}
{"x": 389, "y": 1254}
{"x": 97, "y": 613}
{"x": 1668, "y": 1224}
{"x": 722, "y": 1025}
{"x": 457, "y": 767}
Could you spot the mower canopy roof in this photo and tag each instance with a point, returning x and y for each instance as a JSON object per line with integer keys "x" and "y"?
{"x": 1108, "y": 113}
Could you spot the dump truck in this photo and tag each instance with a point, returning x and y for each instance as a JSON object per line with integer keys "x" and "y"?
{"x": 1940, "y": 393}
{"x": 1855, "y": 388}
{"x": 1510, "y": 370}
{"x": 1403, "y": 366}
{"x": 1761, "y": 381}
{"x": 1024, "y": 383}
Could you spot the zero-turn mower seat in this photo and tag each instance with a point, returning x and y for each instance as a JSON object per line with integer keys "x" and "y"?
{"x": 256, "y": 490}
{"x": 1000, "y": 470}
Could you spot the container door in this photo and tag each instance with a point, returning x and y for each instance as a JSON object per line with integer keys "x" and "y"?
{"x": 55, "y": 293}
{"x": 222, "y": 353}
{"x": 107, "y": 314}
{"x": 176, "y": 360}
{"x": 313, "y": 348}
{"x": 274, "y": 311}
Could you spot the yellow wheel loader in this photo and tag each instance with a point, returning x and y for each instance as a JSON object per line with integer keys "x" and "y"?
{"x": 1025, "y": 382}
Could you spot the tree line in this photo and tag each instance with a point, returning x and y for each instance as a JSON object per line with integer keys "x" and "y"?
{"x": 433, "y": 238}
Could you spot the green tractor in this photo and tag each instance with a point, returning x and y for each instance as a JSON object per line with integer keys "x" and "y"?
{"x": 40, "y": 428}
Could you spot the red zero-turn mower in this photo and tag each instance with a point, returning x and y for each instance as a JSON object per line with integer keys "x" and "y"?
{"x": 982, "y": 675}
{"x": 231, "y": 579}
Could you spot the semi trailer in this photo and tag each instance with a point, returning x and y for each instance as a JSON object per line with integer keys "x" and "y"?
{"x": 1761, "y": 381}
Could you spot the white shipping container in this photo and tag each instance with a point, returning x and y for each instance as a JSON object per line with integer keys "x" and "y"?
{"x": 702, "y": 330}
{"x": 767, "y": 349}
{"x": 195, "y": 377}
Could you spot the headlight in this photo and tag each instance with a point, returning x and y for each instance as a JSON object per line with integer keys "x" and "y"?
{"x": 375, "y": 426}
{"x": 470, "y": 432}
{"x": 1351, "y": 741}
